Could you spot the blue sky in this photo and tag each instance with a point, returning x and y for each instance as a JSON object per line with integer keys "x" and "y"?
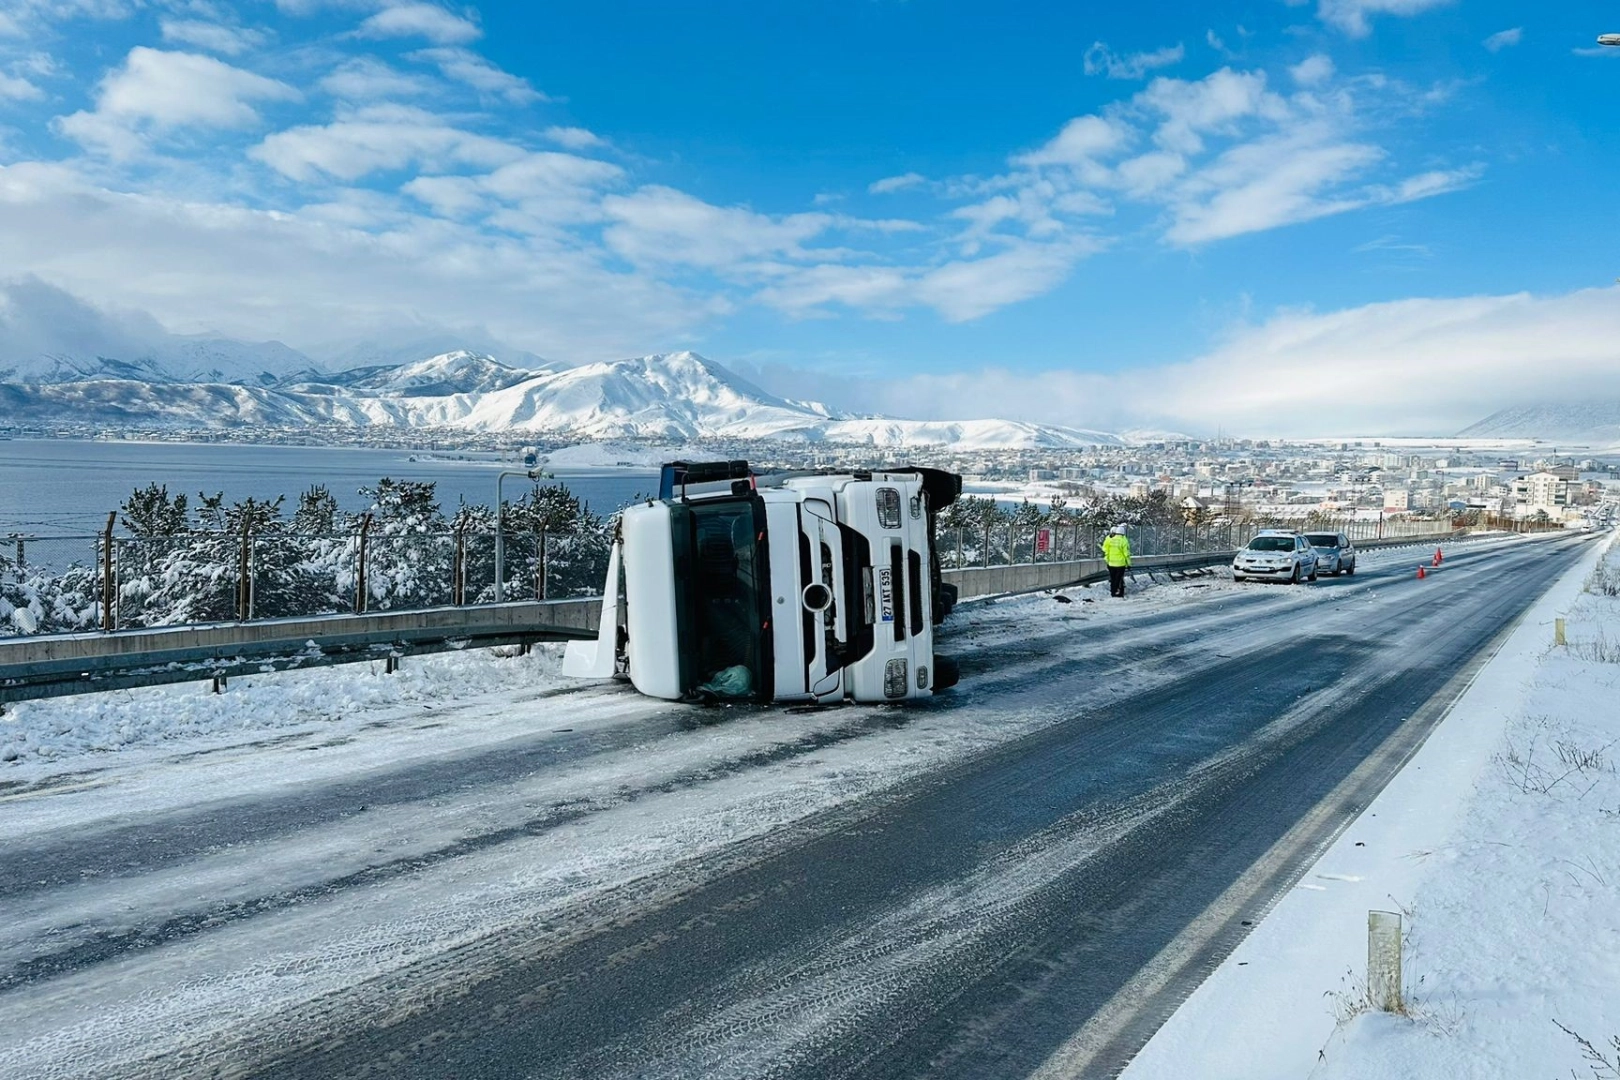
{"x": 1370, "y": 215}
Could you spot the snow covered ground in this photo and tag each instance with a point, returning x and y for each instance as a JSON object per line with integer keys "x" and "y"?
{"x": 609, "y": 788}
{"x": 1499, "y": 844}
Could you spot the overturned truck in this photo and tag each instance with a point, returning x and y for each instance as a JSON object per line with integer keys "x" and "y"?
{"x": 791, "y": 587}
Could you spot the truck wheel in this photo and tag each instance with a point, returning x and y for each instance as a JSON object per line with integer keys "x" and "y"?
{"x": 946, "y": 672}
{"x": 944, "y": 602}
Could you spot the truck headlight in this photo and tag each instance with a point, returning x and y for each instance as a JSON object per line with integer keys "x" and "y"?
{"x": 894, "y": 678}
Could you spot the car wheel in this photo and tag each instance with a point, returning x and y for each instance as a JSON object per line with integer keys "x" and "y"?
{"x": 1313, "y": 573}
{"x": 1352, "y": 570}
{"x": 1294, "y": 580}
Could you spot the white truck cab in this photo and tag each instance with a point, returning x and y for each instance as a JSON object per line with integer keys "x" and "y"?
{"x": 795, "y": 587}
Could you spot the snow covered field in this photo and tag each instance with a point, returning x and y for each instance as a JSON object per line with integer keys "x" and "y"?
{"x": 1499, "y": 844}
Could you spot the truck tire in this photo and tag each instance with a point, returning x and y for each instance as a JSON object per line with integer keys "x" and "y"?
{"x": 944, "y": 602}
{"x": 946, "y": 672}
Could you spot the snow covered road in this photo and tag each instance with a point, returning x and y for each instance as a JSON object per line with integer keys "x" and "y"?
{"x": 524, "y": 879}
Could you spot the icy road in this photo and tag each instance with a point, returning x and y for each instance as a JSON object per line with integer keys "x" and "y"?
{"x": 1019, "y": 879}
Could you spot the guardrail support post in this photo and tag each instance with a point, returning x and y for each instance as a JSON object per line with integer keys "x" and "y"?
{"x": 107, "y": 621}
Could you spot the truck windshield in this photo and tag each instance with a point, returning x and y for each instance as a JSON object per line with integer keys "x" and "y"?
{"x": 720, "y": 598}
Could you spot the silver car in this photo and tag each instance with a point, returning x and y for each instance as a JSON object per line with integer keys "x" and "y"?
{"x": 1276, "y": 555}
{"x": 1335, "y": 553}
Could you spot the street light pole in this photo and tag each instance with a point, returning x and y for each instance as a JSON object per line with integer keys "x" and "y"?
{"x": 500, "y": 533}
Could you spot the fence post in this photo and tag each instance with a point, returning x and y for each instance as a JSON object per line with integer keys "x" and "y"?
{"x": 540, "y": 581}
{"x": 360, "y": 568}
{"x": 458, "y": 568}
{"x": 958, "y": 547}
{"x": 242, "y": 582}
{"x": 986, "y": 559}
{"x": 1384, "y": 961}
{"x": 107, "y": 621}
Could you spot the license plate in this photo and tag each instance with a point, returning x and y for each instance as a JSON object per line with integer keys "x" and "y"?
{"x": 885, "y": 595}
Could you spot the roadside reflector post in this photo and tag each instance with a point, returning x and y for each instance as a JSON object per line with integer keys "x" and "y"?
{"x": 1558, "y": 632}
{"x": 1384, "y": 961}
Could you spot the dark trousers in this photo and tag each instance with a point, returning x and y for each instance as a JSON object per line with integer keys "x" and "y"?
{"x": 1116, "y": 581}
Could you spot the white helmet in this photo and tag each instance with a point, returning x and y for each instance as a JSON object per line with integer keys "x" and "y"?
{"x": 1120, "y": 529}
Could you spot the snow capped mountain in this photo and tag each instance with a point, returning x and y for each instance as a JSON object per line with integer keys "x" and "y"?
{"x": 177, "y": 360}
{"x": 1594, "y": 423}
{"x": 679, "y": 396}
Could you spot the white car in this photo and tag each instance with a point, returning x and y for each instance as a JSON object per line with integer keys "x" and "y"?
{"x": 1276, "y": 555}
{"x": 1335, "y": 553}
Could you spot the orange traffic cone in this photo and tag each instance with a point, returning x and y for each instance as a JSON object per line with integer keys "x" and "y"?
{"x": 1437, "y": 556}
{"x": 1422, "y": 573}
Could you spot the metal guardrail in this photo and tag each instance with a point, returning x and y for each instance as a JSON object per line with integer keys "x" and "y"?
{"x": 54, "y": 665}
{"x": 61, "y": 664}
{"x": 975, "y": 582}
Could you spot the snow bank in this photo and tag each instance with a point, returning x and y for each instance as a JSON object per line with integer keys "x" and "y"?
{"x": 42, "y": 732}
{"x": 1500, "y": 845}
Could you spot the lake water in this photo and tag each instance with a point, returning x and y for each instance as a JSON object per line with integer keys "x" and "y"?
{"x": 68, "y": 486}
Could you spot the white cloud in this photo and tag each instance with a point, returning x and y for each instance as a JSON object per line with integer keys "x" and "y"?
{"x": 366, "y": 79}
{"x": 969, "y": 289}
{"x": 420, "y": 20}
{"x": 226, "y": 40}
{"x": 959, "y": 291}
{"x": 468, "y": 67}
{"x": 9, "y": 27}
{"x": 1313, "y": 70}
{"x": 1351, "y": 16}
{"x": 305, "y": 277}
{"x": 1211, "y": 105}
{"x": 1454, "y": 361}
{"x": 1265, "y": 184}
{"x": 659, "y": 225}
{"x": 890, "y": 184}
{"x": 378, "y": 138}
{"x": 1425, "y": 185}
{"x": 536, "y": 194}
{"x": 574, "y": 138}
{"x": 16, "y": 89}
{"x": 1503, "y": 39}
{"x": 157, "y": 91}
{"x": 1081, "y": 142}
{"x": 1099, "y": 60}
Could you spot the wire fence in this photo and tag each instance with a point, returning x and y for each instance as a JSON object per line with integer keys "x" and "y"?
{"x": 72, "y": 583}
{"x": 62, "y": 584}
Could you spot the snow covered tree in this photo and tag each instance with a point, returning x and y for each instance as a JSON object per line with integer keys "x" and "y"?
{"x": 409, "y": 549}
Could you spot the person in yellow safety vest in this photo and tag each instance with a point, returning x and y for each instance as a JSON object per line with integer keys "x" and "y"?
{"x": 1117, "y": 553}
